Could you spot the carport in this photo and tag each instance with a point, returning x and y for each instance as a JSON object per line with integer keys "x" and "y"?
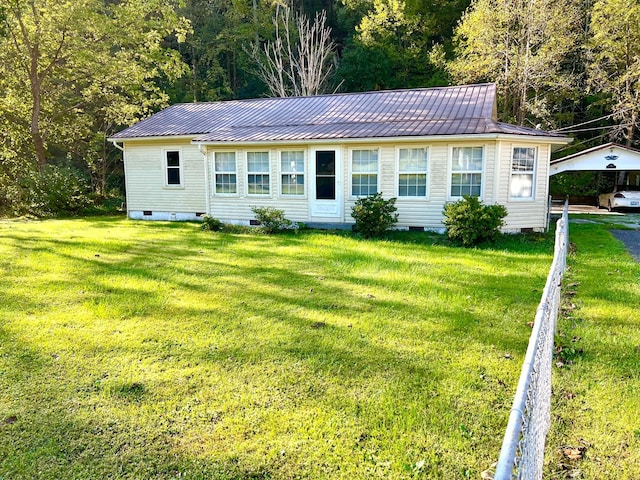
{"x": 618, "y": 163}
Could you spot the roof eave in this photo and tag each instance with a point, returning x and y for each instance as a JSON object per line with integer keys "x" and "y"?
{"x": 594, "y": 149}
{"x": 427, "y": 138}
{"x": 156, "y": 137}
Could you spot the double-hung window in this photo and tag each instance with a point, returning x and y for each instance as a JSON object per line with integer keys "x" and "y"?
{"x": 173, "y": 168}
{"x": 412, "y": 172}
{"x": 258, "y": 173}
{"x": 364, "y": 172}
{"x": 226, "y": 179}
{"x": 466, "y": 171}
{"x": 523, "y": 165}
{"x": 292, "y": 173}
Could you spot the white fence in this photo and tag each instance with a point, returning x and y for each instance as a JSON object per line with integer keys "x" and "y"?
{"x": 522, "y": 454}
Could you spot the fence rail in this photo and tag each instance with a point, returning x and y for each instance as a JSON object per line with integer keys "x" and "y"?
{"x": 522, "y": 453}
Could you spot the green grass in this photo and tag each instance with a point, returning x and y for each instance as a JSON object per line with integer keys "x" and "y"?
{"x": 154, "y": 350}
{"x": 596, "y": 400}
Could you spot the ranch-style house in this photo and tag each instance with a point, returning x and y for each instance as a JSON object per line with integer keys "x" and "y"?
{"x": 313, "y": 157}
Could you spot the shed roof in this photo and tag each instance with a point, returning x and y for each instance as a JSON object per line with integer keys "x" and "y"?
{"x": 607, "y": 157}
{"x": 461, "y": 110}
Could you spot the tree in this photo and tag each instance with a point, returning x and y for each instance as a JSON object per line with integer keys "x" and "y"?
{"x": 400, "y": 35}
{"x": 526, "y": 48}
{"x": 71, "y": 68}
{"x": 220, "y": 68}
{"x": 299, "y": 61}
{"x": 614, "y": 63}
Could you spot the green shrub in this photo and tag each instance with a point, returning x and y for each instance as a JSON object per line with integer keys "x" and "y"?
{"x": 469, "y": 222}
{"x": 211, "y": 224}
{"x": 272, "y": 220}
{"x": 58, "y": 190}
{"x": 374, "y": 215}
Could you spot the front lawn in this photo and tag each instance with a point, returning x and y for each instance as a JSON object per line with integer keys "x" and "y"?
{"x": 595, "y": 430}
{"x": 155, "y": 350}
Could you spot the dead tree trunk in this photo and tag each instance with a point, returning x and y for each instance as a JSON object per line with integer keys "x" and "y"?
{"x": 299, "y": 61}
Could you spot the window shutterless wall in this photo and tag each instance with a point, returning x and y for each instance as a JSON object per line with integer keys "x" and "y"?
{"x": 225, "y": 173}
{"x": 522, "y": 181}
{"x": 467, "y": 171}
{"x": 258, "y": 178}
{"x": 364, "y": 172}
{"x": 148, "y": 177}
{"x": 173, "y": 167}
{"x": 412, "y": 177}
{"x": 292, "y": 173}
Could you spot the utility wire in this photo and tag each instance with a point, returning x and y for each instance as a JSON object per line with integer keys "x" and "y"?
{"x": 573, "y": 145}
{"x": 596, "y": 128}
{"x": 590, "y": 121}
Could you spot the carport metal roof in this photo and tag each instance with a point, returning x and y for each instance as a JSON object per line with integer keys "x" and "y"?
{"x": 610, "y": 157}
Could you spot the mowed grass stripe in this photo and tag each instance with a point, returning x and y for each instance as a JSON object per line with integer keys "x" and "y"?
{"x": 153, "y": 350}
{"x": 596, "y": 399}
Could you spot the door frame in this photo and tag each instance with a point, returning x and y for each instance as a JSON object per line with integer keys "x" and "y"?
{"x": 326, "y": 210}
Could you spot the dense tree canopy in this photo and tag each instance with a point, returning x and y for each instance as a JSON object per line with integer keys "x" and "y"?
{"x": 614, "y": 66}
{"x": 73, "y": 72}
{"x": 525, "y": 46}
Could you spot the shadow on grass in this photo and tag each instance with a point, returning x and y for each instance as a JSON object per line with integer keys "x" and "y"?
{"x": 336, "y": 314}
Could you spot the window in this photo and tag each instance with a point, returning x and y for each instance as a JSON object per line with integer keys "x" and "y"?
{"x": 412, "y": 171}
{"x": 225, "y": 173}
{"x": 364, "y": 172}
{"x": 522, "y": 171}
{"x": 174, "y": 173}
{"x": 292, "y": 173}
{"x": 466, "y": 171}
{"x": 258, "y": 173}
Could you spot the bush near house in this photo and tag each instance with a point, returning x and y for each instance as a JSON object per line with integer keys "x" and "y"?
{"x": 211, "y": 224}
{"x": 272, "y": 220}
{"x": 374, "y": 215}
{"x": 469, "y": 222}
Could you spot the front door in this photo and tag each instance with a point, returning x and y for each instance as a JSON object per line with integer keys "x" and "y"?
{"x": 326, "y": 185}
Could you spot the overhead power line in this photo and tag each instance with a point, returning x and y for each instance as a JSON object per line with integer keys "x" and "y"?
{"x": 564, "y": 129}
{"x": 596, "y": 128}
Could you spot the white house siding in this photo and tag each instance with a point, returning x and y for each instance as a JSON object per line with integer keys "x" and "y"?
{"x": 524, "y": 213}
{"x": 413, "y": 212}
{"x": 427, "y": 212}
{"x": 146, "y": 188}
{"x": 237, "y": 208}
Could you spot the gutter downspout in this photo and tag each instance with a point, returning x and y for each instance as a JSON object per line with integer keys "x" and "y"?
{"x": 126, "y": 177}
{"x": 115, "y": 144}
{"x": 207, "y": 198}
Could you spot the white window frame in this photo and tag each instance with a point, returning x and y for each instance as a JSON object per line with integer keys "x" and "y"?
{"x": 426, "y": 172}
{"x": 217, "y": 172}
{"x": 531, "y": 172}
{"x": 282, "y": 172}
{"x": 452, "y": 172}
{"x": 266, "y": 173}
{"x": 352, "y": 172}
{"x": 165, "y": 160}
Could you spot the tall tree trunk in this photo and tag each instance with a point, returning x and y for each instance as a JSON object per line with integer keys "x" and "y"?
{"x": 36, "y": 94}
{"x": 255, "y": 22}
{"x": 631, "y": 128}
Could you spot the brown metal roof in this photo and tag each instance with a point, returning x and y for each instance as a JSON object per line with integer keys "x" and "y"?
{"x": 459, "y": 110}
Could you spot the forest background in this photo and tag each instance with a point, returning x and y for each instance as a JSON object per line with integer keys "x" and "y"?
{"x": 74, "y": 72}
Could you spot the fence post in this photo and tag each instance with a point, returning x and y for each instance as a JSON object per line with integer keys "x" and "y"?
{"x": 522, "y": 453}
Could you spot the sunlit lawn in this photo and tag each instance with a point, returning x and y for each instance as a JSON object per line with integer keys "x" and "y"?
{"x": 596, "y": 401}
{"x": 155, "y": 350}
